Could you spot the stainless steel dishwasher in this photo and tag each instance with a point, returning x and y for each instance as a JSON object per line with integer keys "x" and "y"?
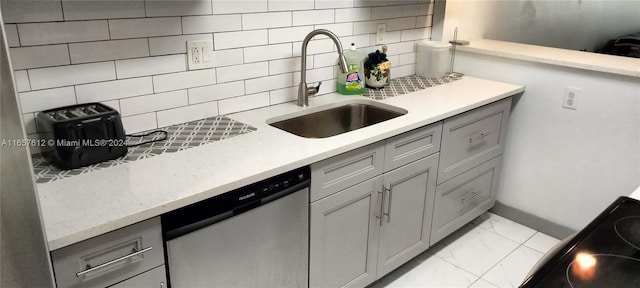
{"x": 255, "y": 236}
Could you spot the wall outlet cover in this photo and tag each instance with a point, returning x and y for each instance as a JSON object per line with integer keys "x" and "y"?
{"x": 199, "y": 54}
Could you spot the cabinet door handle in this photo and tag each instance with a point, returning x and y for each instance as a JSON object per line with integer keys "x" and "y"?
{"x": 390, "y": 190}
{"x": 482, "y": 135}
{"x": 114, "y": 261}
{"x": 473, "y": 195}
{"x": 381, "y": 200}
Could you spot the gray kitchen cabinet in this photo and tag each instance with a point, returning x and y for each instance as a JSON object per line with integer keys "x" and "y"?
{"x": 407, "y": 209}
{"x": 344, "y": 235}
{"x": 111, "y": 258}
{"x": 464, "y": 198}
{"x": 360, "y": 233}
{"x": 473, "y": 137}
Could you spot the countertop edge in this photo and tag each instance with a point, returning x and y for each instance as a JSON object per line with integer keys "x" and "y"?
{"x": 604, "y": 63}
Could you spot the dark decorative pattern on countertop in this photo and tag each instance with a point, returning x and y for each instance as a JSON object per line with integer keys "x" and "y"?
{"x": 179, "y": 137}
{"x": 404, "y": 85}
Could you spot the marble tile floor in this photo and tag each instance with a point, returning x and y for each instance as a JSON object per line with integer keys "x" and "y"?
{"x": 489, "y": 252}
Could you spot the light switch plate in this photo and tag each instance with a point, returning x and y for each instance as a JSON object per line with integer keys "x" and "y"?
{"x": 199, "y": 54}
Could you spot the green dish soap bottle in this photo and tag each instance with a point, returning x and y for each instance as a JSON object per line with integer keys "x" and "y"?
{"x": 350, "y": 83}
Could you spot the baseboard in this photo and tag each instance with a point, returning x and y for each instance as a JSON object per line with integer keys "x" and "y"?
{"x": 532, "y": 221}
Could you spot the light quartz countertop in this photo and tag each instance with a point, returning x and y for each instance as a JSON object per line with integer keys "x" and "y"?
{"x": 84, "y": 206}
{"x": 555, "y": 56}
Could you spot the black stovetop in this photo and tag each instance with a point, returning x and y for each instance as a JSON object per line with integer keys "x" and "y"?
{"x": 605, "y": 254}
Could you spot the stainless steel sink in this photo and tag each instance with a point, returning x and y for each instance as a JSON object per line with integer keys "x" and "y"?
{"x": 332, "y": 120}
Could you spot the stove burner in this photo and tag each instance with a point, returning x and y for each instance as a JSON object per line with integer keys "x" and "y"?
{"x": 608, "y": 270}
{"x": 628, "y": 228}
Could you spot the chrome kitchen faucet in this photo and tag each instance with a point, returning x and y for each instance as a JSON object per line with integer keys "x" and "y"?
{"x": 303, "y": 91}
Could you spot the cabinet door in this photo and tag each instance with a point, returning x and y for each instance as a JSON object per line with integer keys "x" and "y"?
{"x": 408, "y": 206}
{"x": 343, "y": 236}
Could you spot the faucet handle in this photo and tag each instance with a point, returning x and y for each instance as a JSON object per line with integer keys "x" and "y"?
{"x": 314, "y": 90}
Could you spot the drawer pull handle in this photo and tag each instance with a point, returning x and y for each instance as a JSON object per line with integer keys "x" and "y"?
{"x": 473, "y": 195}
{"x": 482, "y": 135}
{"x": 114, "y": 261}
{"x": 388, "y": 214}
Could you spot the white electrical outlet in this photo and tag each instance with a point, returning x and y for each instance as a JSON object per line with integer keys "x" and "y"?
{"x": 571, "y": 97}
{"x": 199, "y": 54}
{"x": 380, "y": 33}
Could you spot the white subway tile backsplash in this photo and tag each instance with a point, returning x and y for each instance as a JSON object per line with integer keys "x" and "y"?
{"x": 62, "y": 32}
{"x": 370, "y": 3}
{"x": 177, "y": 7}
{"x": 269, "y": 83}
{"x": 242, "y": 6}
{"x": 240, "y": 39}
{"x": 290, "y": 5}
{"x": 174, "y": 44}
{"x": 325, "y": 60}
{"x": 243, "y": 103}
{"x": 358, "y": 40}
{"x": 324, "y": 4}
{"x": 43, "y": 78}
{"x": 29, "y": 120}
{"x": 386, "y": 12}
{"x": 12, "y": 35}
{"x": 311, "y": 17}
{"x": 228, "y": 57}
{"x": 153, "y": 102}
{"x": 241, "y": 72}
{"x": 102, "y": 9}
{"x": 112, "y": 90}
{"x": 415, "y": 10}
{"x": 211, "y": 23}
{"x": 314, "y": 47}
{"x": 406, "y": 59}
{"x": 31, "y": 11}
{"x": 415, "y": 34}
{"x": 144, "y": 27}
{"x": 267, "y": 52}
{"x": 266, "y": 20}
{"x": 182, "y": 80}
{"x": 187, "y": 113}
{"x": 315, "y": 75}
{"x": 108, "y": 50}
{"x": 39, "y": 56}
{"x": 281, "y": 35}
{"x": 340, "y": 29}
{"x": 139, "y": 123}
{"x": 115, "y": 104}
{"x": 424, "y": 21}
{"x": 283, "y": 95}
{"x": 400, "y": 48}
{"x": 366, "y": 27}
{"x": 22, "y": 81}
{"x": 288, "y": 65}
{"x": 130, "y": 50}
{"x": 353, "y": 14}
{"x": 46, "y": 99}
{"x": 401, "y": 23}
{"x": 216, "y": 92}
{"x": 151, "y": 66}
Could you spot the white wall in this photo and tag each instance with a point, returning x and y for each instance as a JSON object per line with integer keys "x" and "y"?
{"x": 569, "y": 24}
{"x": 562, "y": 165}
{"x": 131, "y": 54}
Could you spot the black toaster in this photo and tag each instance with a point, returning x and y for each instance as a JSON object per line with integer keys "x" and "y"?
{"x": 81, "y": 135}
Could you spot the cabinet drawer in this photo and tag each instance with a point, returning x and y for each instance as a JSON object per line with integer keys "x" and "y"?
{"x": 339, "y": 172}
{"x": 464, "y": 197}
{"x": 156, "y": 278}
{"x": 411, "y": 146}
{"x": 472, "y": 138}
{"x": 110, "y": 258}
